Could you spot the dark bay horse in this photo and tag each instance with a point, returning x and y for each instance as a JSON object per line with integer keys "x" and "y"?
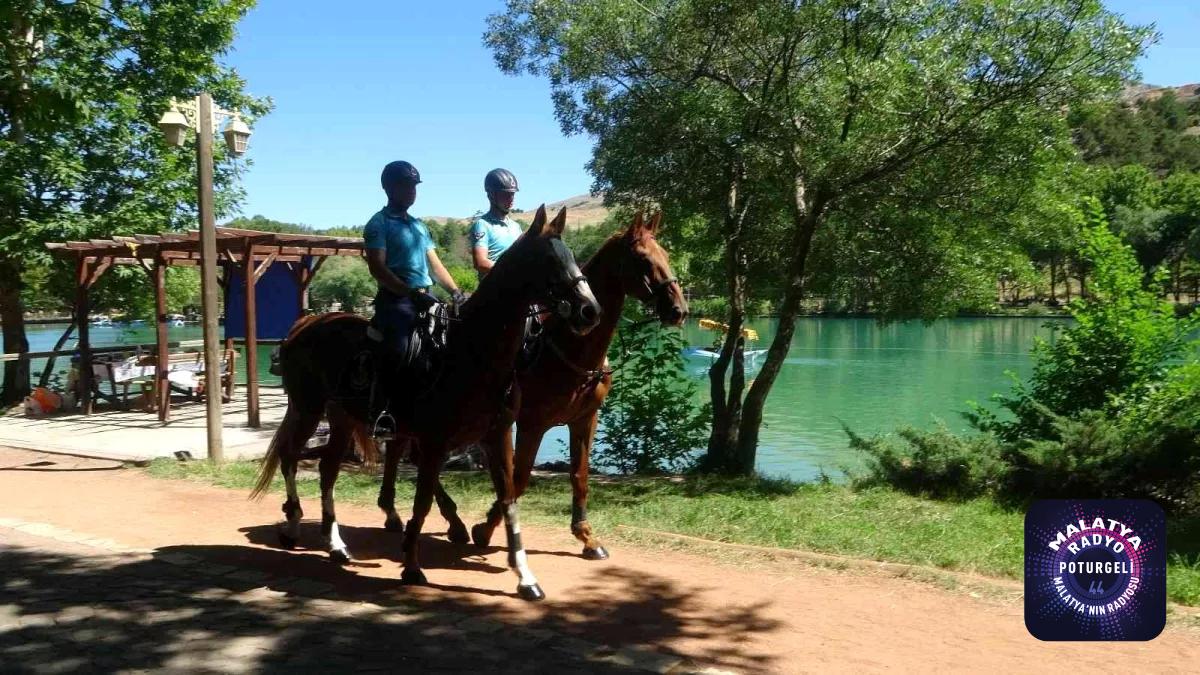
{"x": 570, "y": 380}
{"x": 475, "y": 387}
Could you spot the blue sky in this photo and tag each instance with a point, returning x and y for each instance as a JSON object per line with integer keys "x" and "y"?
{"x": 358, "y": 84}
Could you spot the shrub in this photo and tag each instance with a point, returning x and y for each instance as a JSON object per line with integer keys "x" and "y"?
{"x": 650, "y": 421}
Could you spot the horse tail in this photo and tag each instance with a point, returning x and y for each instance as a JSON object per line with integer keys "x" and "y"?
{"x": 270, "y": 465}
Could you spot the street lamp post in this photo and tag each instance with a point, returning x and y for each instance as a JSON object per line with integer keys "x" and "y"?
{"x": 174, "y": 124}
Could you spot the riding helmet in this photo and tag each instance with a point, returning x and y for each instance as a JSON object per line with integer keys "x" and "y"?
{"x": 500, "y": 180}
{"x": 399, "y": 172}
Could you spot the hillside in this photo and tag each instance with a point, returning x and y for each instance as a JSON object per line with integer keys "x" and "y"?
{"x": 582, "y": 210}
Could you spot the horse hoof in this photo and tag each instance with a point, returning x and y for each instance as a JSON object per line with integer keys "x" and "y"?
{"x": 458, "y": 534}
{"x": 340, "y": 556}
{"x": 287, "y": 542}
{"x": 532, "y": 593}
{"x": 598, "y": 553}
{"x": 413, "y": 576}
{"x": 481, "y": 535}
{"x": 396, "y": 525}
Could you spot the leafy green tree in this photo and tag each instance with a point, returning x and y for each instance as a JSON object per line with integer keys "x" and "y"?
{"x": 343, "y": 280}
{"x": 1122, "y": 341}
{"x": 1151, "y": 134}
{"x": 82, "y": 86}
{"x": 777, "y": 121}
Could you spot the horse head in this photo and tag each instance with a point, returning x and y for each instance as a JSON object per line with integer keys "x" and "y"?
{"x": 550, "y": 274}
{"x": 646, "y": 271}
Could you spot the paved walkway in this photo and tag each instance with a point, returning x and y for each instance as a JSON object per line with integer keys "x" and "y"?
{"x": 70, "y": 603}
{"x": 134, "y": 435}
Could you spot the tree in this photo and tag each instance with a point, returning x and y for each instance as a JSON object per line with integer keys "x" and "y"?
{"x": 81, "y": 87}
{"x": 343, "y": 280}
{"x": 783, "y": 121}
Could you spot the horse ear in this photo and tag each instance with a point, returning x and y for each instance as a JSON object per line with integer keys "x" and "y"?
{"x": 556, "y": 226}
{"x": 655, "y": 222}
{"x": 539, "y": 221}
{"x": 635, "y": 229}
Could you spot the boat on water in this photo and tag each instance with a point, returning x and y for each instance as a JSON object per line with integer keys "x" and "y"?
{"x": 101, "y": 320}
{"x": 713, "y": 352}
{"x": 753, "y": 356}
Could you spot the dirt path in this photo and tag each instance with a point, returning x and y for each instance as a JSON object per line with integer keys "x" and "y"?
{"x": 784, "y": 619}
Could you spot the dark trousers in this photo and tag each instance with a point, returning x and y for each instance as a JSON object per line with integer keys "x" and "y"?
{"x": 394, "y": 315}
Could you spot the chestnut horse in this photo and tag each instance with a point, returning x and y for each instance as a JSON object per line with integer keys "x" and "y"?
{"x": 476, "y": 386}
{"x": 569, "y": 381}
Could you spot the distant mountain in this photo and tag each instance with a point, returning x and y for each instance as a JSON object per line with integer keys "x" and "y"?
{"x": 582, "y": 210}
{"x": 1136, "y": 93}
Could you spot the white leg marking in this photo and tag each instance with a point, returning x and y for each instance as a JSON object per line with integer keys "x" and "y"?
{"x": 523, "y": 571}
{"x": 293, "y": 518}
{"x": 513, "y": 523}
{"x": 335, "y": 540}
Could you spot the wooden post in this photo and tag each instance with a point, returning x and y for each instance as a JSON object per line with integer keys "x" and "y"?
{"x": 249, "y": 269}
{"x": 162, "y": 386}
{"x": 82, "y": 272}
{"x": 208, "y": 276}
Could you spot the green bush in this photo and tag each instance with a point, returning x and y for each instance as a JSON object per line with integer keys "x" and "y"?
{"x": 650, "y": 421}
{"x": 935, "y": 463}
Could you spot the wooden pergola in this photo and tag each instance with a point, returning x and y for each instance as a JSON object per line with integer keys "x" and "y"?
{"x": 243, "y": 254}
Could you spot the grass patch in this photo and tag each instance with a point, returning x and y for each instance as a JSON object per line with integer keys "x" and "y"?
{"x": 977, "y": 536}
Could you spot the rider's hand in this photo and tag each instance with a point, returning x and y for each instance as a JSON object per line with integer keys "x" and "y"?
{"x": 459, "y": 297}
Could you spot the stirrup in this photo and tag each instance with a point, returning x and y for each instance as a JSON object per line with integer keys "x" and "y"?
{"x": 385, "y": 428}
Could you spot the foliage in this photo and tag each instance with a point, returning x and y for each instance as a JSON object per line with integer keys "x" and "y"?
{"x": 936, "y": 463}
{"x": 650, "y": 421}
{"x": 343, "y": 280}
{"x": 813, "y": 137}
{"x": 80, "y": 154}
{"x": 1105, "y": 414}
{"x": 1120, "y": 344}
{"x": 1149, "y": 134}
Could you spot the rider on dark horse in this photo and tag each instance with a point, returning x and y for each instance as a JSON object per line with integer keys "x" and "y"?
{"x": 402, "y": 257}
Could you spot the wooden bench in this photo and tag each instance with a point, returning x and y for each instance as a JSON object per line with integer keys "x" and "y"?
{"x": 185, "y": 374}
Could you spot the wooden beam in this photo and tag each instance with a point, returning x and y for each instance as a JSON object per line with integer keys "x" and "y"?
{"x": 248, "y": 278}
{"x": 162, "y": 386}
{"x": 49, "y": 369}
{"x": 82, "y": 273}
{"x": 262, "y": 267}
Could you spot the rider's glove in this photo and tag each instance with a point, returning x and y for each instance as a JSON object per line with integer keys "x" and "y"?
{"x": 459, "y": 297}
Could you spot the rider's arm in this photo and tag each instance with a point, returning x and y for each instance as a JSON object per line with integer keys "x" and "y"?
{"x": 478, "y": 238}
{"x": 438, "y": 271}
{"x": 479, "y": 255}
{"x": 377, "y": 263}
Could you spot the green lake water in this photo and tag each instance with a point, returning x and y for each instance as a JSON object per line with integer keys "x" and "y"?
{"x": 872, "y": 378}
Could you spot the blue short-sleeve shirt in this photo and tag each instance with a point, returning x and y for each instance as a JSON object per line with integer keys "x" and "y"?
{"x": 406, "y": 242}
{"x": 494, "y": 234}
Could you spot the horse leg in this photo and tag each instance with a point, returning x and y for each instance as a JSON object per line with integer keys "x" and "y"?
{"x": 583, "y": 431}
{"x": 431, "y": 458}
{"x": 527, "y": 586}
{"x": 497, "y": 443}
{"x": 340, "y": 439}
{"x": 295, "y": 430}
{"x": 387, "y": 490}
{"x": 457, "y": 532}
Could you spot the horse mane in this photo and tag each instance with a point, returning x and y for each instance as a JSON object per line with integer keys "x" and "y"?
{"x": 305, "y": 322}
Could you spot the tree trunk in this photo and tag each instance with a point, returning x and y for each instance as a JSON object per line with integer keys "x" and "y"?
{"x": 12, "y": 322}
{"x": 1053, "y": 280}
{"x": 806, "y": 217}
{"x": 1177, "y": 285}
{"x": 727, "y": 405}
